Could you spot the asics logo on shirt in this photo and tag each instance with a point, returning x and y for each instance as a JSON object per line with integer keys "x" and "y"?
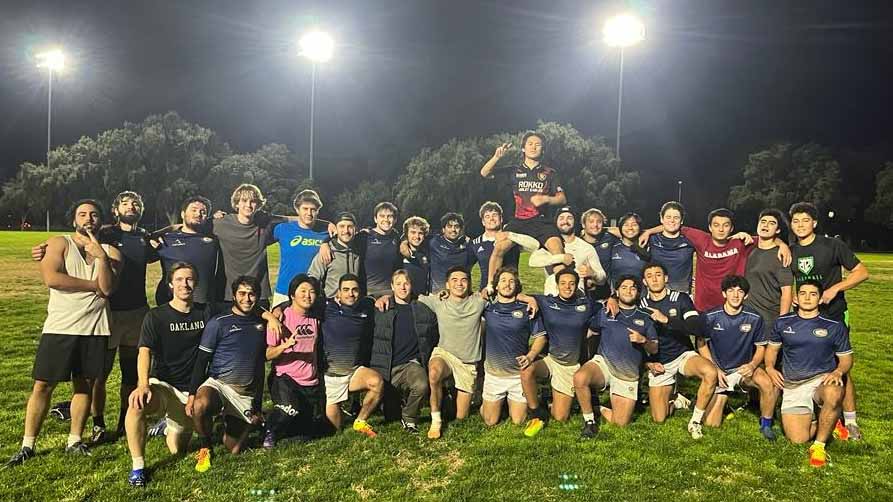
{"x": 305, "y": 241}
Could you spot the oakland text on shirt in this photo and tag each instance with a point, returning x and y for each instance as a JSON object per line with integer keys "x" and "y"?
{"x": 187, "y": 326}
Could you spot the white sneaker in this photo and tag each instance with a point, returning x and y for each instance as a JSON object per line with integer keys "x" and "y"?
{"x": 681, "y": 402}
{"x": 695, "y": 430}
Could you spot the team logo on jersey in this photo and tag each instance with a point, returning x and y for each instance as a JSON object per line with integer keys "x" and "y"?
{"x": 520, "y": 175}
{"x": 207, "y": 240}
{"x": 554, "y": 306}
{"x": 745, "y": 328}
{"x": 639, "y": 322}
{"x": 481, "y": 249}
{"x": 234, "y": 328}
{"x": 304, "y": 330}
{"x": 718, "y": 327}
{"x": 581, "y": 308}
{"x": 518, "y": 314}
{"x": 259, "y": 327}
{"x": 605, "y": 245}
{"x": 805, "y": 264}
{"x": 672, "y": 313}
{"x": 177, "y": 243}
{"x": 541, "y": 176}
{"x": 789, "y": 331}
{"x": 820, "y": 332}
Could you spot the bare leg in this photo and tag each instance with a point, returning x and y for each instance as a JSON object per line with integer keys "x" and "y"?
{"x": 80, "y": 404}
{"x": 370, "y": 381}
{"x": 38, "y": 406}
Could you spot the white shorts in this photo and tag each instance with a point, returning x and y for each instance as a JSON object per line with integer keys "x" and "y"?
{"x": 623, "y": 388}
{"x": 338, "y": 387}
{"x": 235, "y": 404}
{"x": 733, "y": 379}
{"x": 171, "y": 405}
{"x": 561, "y": 376}
{"x": 497, "y": 388}
{"x": 671, "y": 369}
{"x": 464, "y": 374}
{"x": 799, "y": 398}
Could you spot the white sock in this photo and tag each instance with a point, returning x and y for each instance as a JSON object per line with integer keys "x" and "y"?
{"x": 849, "y": 418}
{"x": 696, "y": 415}
{"x": 589, "y": 417}
{"x": 138, "y": 463}
{"x": 28, "y": 442}
{"x": 73, "y": 439}
{"x": 435, "y": 417}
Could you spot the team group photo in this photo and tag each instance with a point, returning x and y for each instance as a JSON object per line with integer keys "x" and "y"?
{"x": 524, "y": 312}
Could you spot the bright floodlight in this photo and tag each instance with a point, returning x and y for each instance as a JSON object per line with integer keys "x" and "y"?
{"x": 52, "y": 59}
{"x": 623, "y": 31}
{"x": 317, "y": 46}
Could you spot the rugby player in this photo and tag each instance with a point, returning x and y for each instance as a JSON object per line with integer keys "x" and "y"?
{"x": 625, "y": 339}
{"x": 299, "y": 241}
{"x": 821, "y": 258}
{"x": 448, "y": 249}
{"x": 817, "y": 359}
{"x": 482, "y": 246}
{"x": 771, "y": 283}
{"x": 346, "y": 260}
{"x": 81, "y": 274}
{"x": 417, "y": 264}
{"x": 676, "y": 320}
{"x": 577, "y": 251}
{"x": 672, "y": 249}
{"x": 597, "y": 235}
{"x": 627, "y": 256}
{"x": 733, "y": 339}
{"x": 167, "y": 354}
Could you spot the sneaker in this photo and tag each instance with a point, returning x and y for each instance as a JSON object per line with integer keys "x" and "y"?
{"x": 19, "y": 458}
{"x": 363, "y": 427}
{"x": 533, "y": 427}
{"x": 79, "y": 448}
{"x": 61, "y": 411}
{"x": 855, "y": 434}
{"x": 434, "y": 430}
{"x": 696, "y": 430}
{"x": 138, "y": 478}
{"x": 590, "y": 429}
{"x": 99, "y": 435}
{"x": 681, "y": 402}
{"x": 840, "y": 432}
{"x": 768, "y": 433}
{"x": 159, "y": 429}
{"x": 817, "y": 457}
{"x": 409, "y": 427}
{"x": 203, "y": 459}
{"x": 269, "y": 439}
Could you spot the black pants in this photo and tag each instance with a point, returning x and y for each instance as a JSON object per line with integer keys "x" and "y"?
{"x": 298, "y": 410}
{"x": 408, "y": 381}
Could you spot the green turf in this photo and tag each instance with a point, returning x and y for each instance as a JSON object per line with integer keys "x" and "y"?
{"x": 643, "y": 462}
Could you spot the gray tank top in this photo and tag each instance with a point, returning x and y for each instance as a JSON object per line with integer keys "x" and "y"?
{"x": 77, "y": 313}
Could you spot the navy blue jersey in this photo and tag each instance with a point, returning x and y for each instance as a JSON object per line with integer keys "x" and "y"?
{"x": 137, "y": 253}
{"x": 419, "y": 269}
{"x": 625, "y": 261}
{"x": 445, "y": 254}
{"x": 508, "y": 333}
{"x": 732, "y": 339}
{"x": 624, "y": 357}
{"x": 675, "y": 305}
{"x": 809, "y": 346}
{"x": 381, "y": 257}
{"x": 566, "y": 323}
{"x": 481, "y": 249}
{"x": 347, "y": 336}
{"x": 237, "y": 345}
{"x": 677, "y": 254}
{"x": 603, "y": 244}
{"x": 200, "y": 250}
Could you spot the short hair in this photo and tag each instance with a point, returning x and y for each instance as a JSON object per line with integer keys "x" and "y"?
{"x": 253, "y": 193}
{"x": 299, "y": 279}
{"x": 456, "y": 268}
{"x": 451, "y": 216}
{"x": 348, "y": 277}
{"x": 589, "y": 213}
{"x": 513, "y": 272}
{"x": 672, "y": 205}
{"x": 196, "y": 198}
{"x": 567, "y": 271}
{"x": 528, "y": 134}
{"x": 628, "y": 277}
{"x": 735, "y": 281}
{"x": 721, "y": 213}
{"x": 180, "y": 265}
{"x": 655, "y": 264}
{"x": 629, "y": 215}
{"x": 93, "y": 202}
{"x": 488, "y": 206}
{"x": 127, "y": 194}
{"x": 416, "y": 221}
{"x": 403, "y": 272}
{"x": 307, "y": 196}
{"x": 804, "y": 207}
{"x": 381, "y": 206}
{"x": 811, "y": 282}
{"x": 246, "y": 280}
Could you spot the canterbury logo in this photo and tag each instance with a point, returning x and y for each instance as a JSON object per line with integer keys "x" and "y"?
{"x": 304, "y": 330}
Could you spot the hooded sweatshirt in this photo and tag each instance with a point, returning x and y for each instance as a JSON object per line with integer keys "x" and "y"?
{"x": 346, "y": 260}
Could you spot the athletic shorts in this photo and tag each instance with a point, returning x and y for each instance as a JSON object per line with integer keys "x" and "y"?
{"x": 540, "y": 228}
{"x": 623, "y": 388}
{"x": 235, "y": 403}
{"x": 561, "y": 376}
{"x": 62, "y": 357}
{"x": 338, "y": 387}
{"x": 798, "y": 398}
{"x": 126, "y": 326}
{"x": 497, "y": 388}
{"x": 733, "y": 379}
{"x": 668, "y": 377}
{"x": 464, "y": 374}
{"x": 171, "y": 405}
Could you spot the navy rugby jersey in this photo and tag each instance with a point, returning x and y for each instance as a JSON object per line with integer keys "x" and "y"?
{"x": 733, "y": 339}
{"x": 509, "y": 329}
{"x": 381, "y": 257}
{"x": 444, "y": 254}
{"x": 200, "y": 250}
{"x": 677, "y": 254}
{"x": 566, "y": 323}
{"x": 347, "y": 335}
{"x": 137, "y": 252}
{"x": 237, "y": 345}
{"x": 624, "y": 261}
{"x": 481, "y": 248}
{"x": 809, "y": 346}
{"x": 675, "y": 305}
{"x": 603, "y": 244}
{"x": 419, "y": 269}
{"x": 624, "y": 357}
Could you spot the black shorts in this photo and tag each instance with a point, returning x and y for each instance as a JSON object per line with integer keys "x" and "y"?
{"x": 540, "y": 228}
{"x": 284, "y": 392}
{"x": 62, "y": 357}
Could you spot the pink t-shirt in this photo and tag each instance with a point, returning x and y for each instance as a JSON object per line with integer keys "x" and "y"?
{"x": 299, "y": 360}
{"x": 714, "y": 264}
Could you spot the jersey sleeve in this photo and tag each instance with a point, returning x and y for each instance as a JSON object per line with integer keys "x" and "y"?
{"x": 537, "y": 327}
{"x": 650, "y": 331}
{"x": 698, "y": 238}
{"x": 774, "y": 335}
{"x": 148, "y": 335}
{"x": 208, "y": 342}
{"x": 555, "y": 186}
{"x": 842, "y": 345}
{"x": 706, "y": 328}
{"x": 785, "y": 276}
{"x": 686, "y": 306}
{"x": 429, "y": 301}
{"x": 759, "y": 337}
{"x": 844, "y": 255}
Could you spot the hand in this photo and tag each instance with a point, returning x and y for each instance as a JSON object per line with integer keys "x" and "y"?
{"x": 746, "y": 370}
{"x": 275, "y": 326}
{"x": 532, "y": 306}
{"x": 636, "y": 337}
{"x": 612, "y": 306}
{"x": 539, "y": 199}
{"x": 501, "y": 150}
{"x": 523, "y": 361}
{"x": 405, "y": 250}
{"x": 784, "y": 255}
{"x": 833, "y": 378}
{"x": 155, "y": 243}
{"x": 443, "y": 295}
{"x": 658, "y": 316}
{"x": 721, "y": 381}
{"x": 255, "y": 418}
{"x": 325, "y": 253}
{"x": 829, "y": 295}
{"x": 140, "y": 397}
{"x": 218, "y": 214}
{"x": 744, "y": 236}
{"x": 190, "y": 406}
{"x": 567, "y": 259}
{"x": 776, "y": 377}
{"x": 332, "y": 229}
{"x": 583, "y": 271}
{"x": 643, "y": 238}
{"x": 39, "y": 251}
{"x": 278, "y": 313}
{"x": 655, "y": 368}
{"x": 383, "y": 303}
{"x": 94, "y": 248}
{"x": 289, "y": 341}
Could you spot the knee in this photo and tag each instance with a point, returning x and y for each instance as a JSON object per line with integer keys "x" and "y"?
{"x": 711, "y": 377}
{"x": 43, "y": 388}
{"x": 489, "y": 420}
{"x": 658, "y": 418}
{"x": 580, "y": 381}
{"x": 200, "y": 407}
{"x": 560, "y": 417}
{"x": 375, "y": 383}
{"x": 419, "y": 386}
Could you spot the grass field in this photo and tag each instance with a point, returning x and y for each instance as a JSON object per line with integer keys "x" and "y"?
{"x": 642, "y": 462}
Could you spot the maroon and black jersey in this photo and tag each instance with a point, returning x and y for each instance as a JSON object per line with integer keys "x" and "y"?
{"x": 528, "y": 182}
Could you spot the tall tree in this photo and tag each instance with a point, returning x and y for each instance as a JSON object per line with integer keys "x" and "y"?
{"x": 881, "y": 210}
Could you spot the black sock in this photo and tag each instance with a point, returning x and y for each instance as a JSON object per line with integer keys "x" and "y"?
{"x": 122, "y": 416}
{"x": 204, "y": 441}
{"x": 99, "y": 421}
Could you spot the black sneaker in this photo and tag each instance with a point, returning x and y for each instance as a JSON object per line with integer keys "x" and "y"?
{"x": 138, "y": 478}
{"x": 19, "y": 458}
{"x": 61, "y": 411}
{"x": 590, "y": 429}
{"x": 409, "y": 427}
{"x": 99, "y": 435}
{"x": 80, "y": 449}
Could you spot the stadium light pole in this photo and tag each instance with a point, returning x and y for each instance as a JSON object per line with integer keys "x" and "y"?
{"x": 53, "y": 60}
{"x": 622, "y": 31}
{"x": 680, "y": 192}
{"x": 318, "y": 47}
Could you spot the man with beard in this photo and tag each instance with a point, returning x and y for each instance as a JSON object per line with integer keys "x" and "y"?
{"x": 81, "y": 274}
{"x": 597, "y": 235}
{"x": 346, "y": 258}
{"x": 577, "y": 251}
{"x": 482, "y": 246}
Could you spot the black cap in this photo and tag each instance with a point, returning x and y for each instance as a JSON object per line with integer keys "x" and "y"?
{"x": 563, "y": 209}
{"x": 346, "y": 216}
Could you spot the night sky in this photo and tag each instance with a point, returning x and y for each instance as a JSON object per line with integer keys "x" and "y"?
{"x": 713, "y": 81}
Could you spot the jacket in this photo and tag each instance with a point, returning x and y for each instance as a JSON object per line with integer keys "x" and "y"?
{"x": 383, "y": 337}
